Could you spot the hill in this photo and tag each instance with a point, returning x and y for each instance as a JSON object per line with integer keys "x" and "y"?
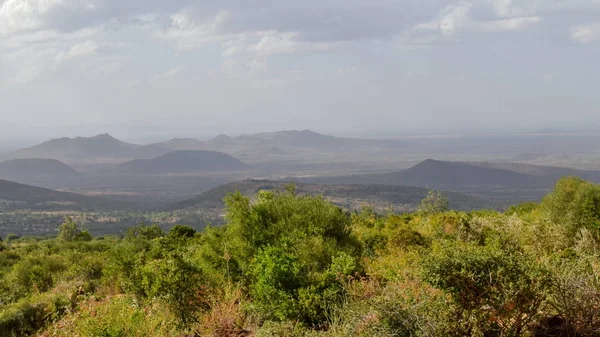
{"x": 32, "y": 170}
{"x": 178, "y": 162}
{"x": 550, "y": 172}
{"x": 15, "y": 196}
{"x": 276, "y": 143}
{"x": 100, "y": 146}
{"x": 382, "y": 198}
{"x": 501, "y": 185}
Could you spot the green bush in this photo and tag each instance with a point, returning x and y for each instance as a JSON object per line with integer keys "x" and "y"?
{"x": 26, "y": 317}
{"x": 496, "y": 289}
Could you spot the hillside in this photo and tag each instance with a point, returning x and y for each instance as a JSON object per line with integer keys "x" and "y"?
{"x": 15, "y": 196}
{"x": 501, "y": 185}
{"x": 34, "y": 170}
{"x": 551, "y": 172}
{"x": 100, "y": 146}
{"x": 276, "y": 143}
{"x": 178, "y": 162}
{"x": 382, "y": 198}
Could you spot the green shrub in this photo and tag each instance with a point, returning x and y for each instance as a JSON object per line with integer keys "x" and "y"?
{"x": 144, "y": 232}
{"x": 496, "y": 289}
{"x": 27, "y": 316}
{"x": 182, "y": 232}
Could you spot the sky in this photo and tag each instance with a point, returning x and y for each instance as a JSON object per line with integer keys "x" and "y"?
{"x": 156, "y": 68}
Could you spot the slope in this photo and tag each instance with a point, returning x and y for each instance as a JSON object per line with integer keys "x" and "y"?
{"x": 100, "y": 146}
{"x": 31, "y": 170}
{"x": 15, "y": 196}
{"x": 178, "y": 162}
{"x": 382, "y": 198}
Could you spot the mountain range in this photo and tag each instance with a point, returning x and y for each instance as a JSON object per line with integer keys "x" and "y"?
{"x": 501, "y": 182}
{"x": 107, "y": 149}
{"x": 352, "y": 197}
{"x": 15, "y": 196}
{"x": 185, "y": 161}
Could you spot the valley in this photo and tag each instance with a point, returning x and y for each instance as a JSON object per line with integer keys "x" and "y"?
{"x": 185, "y": 179}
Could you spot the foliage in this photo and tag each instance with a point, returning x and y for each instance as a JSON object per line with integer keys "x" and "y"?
{"x": 71, "y": 231}
{"x": 144, "y": 232}
{"x": 434, "y": 202}
{"x": 291, "y": 265}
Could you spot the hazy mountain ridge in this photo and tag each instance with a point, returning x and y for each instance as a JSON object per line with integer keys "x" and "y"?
{"x": 184, "y": 161}
{"x": 20, "y": 196}
{"x": 503, "y": 182}
{"x": 382, "y": 198}
{"x": 100, "y": 146}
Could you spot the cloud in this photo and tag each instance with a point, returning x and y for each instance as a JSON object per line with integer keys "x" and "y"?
{"x": 586, "y": 33}
{"x": 451, "y": 19}
{"x": 510, "y": 24}
{"x": 167, "y": 74}
{"x": 79, "y": 50}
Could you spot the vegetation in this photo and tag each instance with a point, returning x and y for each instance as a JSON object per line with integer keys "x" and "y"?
{"x": 298, "y": 265}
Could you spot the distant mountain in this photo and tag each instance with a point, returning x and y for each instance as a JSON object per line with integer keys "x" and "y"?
{"x": 15, "y": 196}
{"x": 183, "y": 162}
{"x": 275, "y": 143}
{"x": 307, "y": 139}
{"x": 442, "y": 174}
{"x": 550, "y": 172}
{"x": 382, "y": 198}
{"x": 501, "y": 185}
{"x": 34, "y": 170}
{"x": 101, "y": 146}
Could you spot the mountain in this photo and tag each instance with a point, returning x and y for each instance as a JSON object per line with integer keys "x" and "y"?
{"x": 31, "y": 170}
{"x": 307, "y": 139}
{"x": 442, "y": 174}
{"x": 550, "y": 172}
{"x": 500, "y": 185}
{"x": 178, "y": 162}
{"x": 276, "y": 143}
{"x": 81, "y": 148}
{"x": 15, "y": 196}
{"x": 382, "y": 198}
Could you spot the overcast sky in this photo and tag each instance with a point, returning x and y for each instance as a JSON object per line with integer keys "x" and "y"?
{"x": 154, "y": 67}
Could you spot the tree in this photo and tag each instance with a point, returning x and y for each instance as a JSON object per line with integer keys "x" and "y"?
{"x": 292, "y": 250}
{"x": 182, "y": 232}
{"x": 434, "y": 202}
{"x": 144, "y": 232}
{"x": 71, "y": 231}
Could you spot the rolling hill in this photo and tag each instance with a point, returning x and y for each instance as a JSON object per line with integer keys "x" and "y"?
{"x": 30, "y": 170}
{"x": 178, "y": 162}
{"x": 15, "y": 196}
{"x": 500, "y": 185}
{"x": 382, "y": 198}
{"x": 278, "y": 141}
{"x": 100, "y": 146}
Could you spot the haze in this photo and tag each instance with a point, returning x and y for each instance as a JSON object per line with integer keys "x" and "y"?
{"x": 148, "y": 69}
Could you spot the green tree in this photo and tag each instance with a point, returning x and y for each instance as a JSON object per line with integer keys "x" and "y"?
{"x": 434, "y": 202}
{"x": 69, "y": 230}
{"x": 574, "y": 204}
{"x": 145, "y": 232}
{"x": 182, "y": 232}
{"x": 496, "y": 289}
{"x": 284, "y": 247}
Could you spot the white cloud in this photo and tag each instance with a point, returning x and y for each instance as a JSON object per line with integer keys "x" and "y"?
{"x": 586, "y": 33}
{"x": 27, "y": 74}
{"x": 451, "y": 19}
{"x": 510, "y": 24}
{"x": 167, "y": 74}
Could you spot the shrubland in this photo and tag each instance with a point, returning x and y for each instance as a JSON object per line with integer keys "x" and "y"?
{"x": 288, "y": 265}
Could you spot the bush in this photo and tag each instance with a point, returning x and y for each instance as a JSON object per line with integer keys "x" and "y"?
{"x": 144, "y": 232}
{"x": 496, "y": 290}
{"x": 182, "y": 232}
{"x": 26, "y": 317}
